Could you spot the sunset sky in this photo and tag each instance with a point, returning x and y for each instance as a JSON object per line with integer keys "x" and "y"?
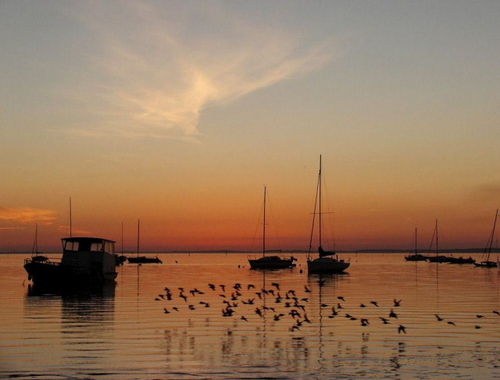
{"x": 178, "y": 113}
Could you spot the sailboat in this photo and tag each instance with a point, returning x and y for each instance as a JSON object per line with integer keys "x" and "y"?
{"x": 487, "y": 263}
{"x": 269, "y": 262}
{"x": 327, "y": 262}
{"x": 437, "y": 258}
{"x": 416, "y": 256}
{"x": 35, "y": 255}
{"x": 142, "y": 259}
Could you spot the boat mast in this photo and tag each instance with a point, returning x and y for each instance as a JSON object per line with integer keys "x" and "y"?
{"x": 319, "y": 195}
{"x": 437, "y": 246}
{"x": 264, "y": 225}
{"x": 416, "y": 249}
{"x": 492, "y": 236}
{"x": 34, "y": 250}
{"x": 122, "y": 238}
{"x": 70, "y": 226}
{"x": 138, "y": 234}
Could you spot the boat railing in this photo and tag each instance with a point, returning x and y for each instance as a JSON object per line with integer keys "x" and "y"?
{"x": 45, "y": 262}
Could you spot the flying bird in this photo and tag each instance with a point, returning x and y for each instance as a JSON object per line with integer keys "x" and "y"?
{"x": 401, "y": 329}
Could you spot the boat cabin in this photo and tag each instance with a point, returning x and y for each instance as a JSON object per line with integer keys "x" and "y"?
{"x": 94, "y": 254}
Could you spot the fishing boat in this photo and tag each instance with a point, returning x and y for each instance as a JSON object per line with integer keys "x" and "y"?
{"x": 84, "y": 260}
{"x": 488, "y": 263}
{"x": 142, "y": 259}
{"x": 272, "y": 261}
{"x": 416, "y": 256}
{"x": 328, "y": 261}
{"x": 437, "y": 258}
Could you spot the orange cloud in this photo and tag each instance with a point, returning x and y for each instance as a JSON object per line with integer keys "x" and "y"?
{"x": 27, "y": 215}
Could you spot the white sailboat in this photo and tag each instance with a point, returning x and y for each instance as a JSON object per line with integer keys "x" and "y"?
{"x": 327, "y": 262}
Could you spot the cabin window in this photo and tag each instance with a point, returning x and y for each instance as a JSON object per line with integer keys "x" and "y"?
{"x": 109, "y": 247}
{"x": 71, "y": 246}
{"x": 96, "y": 247}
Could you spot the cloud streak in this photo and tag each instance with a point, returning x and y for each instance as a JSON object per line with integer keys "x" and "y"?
{"x": 25, "y": 215}
{"x": 156, "y": 68}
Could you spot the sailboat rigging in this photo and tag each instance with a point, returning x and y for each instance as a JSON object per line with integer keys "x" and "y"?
{"x": 416, "y": 256}
{"x": 327, "y": 262}
{"x": 142, "y": 259}
{"x": 269, "y": 262}
{"x": 488, "y": 263}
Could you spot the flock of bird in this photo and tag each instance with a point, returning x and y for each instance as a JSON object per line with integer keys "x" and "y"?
{"x": 247, "y": 302}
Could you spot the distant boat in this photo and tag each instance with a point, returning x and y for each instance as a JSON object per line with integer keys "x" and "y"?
{"x": 416, "y": 256}
{"x": 85, "y": 260}
{"x": 487, "y": 263}
{"x": 142, "y": 259}
{"x": 437, "y": 258}
{"x": 35, "y": 255}
{"x": 269, "y": 262}
{"x": 461, "y": 260}
{"x": 327, "y": 262}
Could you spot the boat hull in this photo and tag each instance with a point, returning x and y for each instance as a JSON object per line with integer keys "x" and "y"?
{"x": 271, "y": 262}
{"x": 438, "y": 259}
{"x": 416, "y": 257}
{"x": 486, "y": 264}
{"x": 57, "y": 274}
{"x": 327, "y": 265}
{"x": 144, "y": 260}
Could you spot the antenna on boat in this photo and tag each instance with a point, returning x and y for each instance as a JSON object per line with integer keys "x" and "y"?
{"x": 70, "y": 226}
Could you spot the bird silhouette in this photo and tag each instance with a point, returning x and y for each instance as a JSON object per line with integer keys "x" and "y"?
{"x": 341, "y": 298}
{"x": 374, "y": 303}
{"x": 401, "y": 329}
{"x": 496, "y": 312}
{"x": 364, "y": 322}
{"x": 385, "y": 321}
{"x": 392, "y": 314}
{"x": 438, "y": 317}
{"x": 276, "y": 285}
{"x": 306, "y": 289}
{"x": 397, "y": 303}
{"x": 451, "y": 323}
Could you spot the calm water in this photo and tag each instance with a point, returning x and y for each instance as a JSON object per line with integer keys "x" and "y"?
{"x": 122, "y": 332}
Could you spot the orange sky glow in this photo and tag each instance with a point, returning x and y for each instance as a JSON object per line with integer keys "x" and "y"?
{"x": 179, "y": 113}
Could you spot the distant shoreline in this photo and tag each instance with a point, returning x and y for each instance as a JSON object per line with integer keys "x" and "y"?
{"x": 405, "y": 251}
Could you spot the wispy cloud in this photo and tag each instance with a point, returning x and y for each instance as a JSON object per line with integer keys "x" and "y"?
{"x": 27, "y": 215}
{"x": 157, "y": 67}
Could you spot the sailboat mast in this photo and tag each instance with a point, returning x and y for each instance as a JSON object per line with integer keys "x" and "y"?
{"x": 319, "y": 195}
{"x": 492, "y": 235}
{"x": 70, "y": 226}
{"x": 34, "y": 250}
{"x": 138, "y": 234}
{"x": 437, "y": 245}
{"x": 264, "y": 225}
{"x": 416, "y": 249}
